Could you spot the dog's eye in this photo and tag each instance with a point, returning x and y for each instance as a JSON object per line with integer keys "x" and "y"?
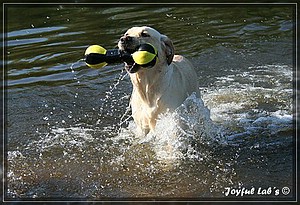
{"x": 143, "y": 34}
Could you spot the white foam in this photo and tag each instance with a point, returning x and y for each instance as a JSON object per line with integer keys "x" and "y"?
{"x": 176, "y": 132}
{"x": 253, "y": 102}
{"x": 274, "y": 122}
{"x": 63, "y": 138}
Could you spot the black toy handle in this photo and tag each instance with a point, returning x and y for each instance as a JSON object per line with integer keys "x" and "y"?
{"x": 111, "y": 56}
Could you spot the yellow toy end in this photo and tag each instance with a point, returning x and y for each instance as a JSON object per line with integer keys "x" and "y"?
{"x": 145, "y": 55}
{"x": 94, "y": 56}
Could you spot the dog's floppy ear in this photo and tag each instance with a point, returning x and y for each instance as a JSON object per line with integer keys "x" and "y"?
{"x": 168, "y": 48}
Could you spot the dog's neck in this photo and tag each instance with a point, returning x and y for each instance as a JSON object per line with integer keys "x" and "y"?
{"x": 146, "y": 85}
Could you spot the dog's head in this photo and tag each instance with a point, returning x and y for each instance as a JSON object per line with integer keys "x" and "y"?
{"x": 136, "y": 36}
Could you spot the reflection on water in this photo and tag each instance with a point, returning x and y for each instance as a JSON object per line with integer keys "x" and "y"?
{"x": 69, "y": 130}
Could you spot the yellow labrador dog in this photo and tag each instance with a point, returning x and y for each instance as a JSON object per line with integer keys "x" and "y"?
{"x": 162, "y": 87}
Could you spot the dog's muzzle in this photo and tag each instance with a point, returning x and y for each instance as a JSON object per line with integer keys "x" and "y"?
{"x": 128, "y": 45}
{"x": 140, "y": 53}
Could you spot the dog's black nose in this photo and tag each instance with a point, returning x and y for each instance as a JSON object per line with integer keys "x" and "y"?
{"x": 124, "y": 39}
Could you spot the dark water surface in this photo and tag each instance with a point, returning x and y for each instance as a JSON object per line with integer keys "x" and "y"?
{"x": 69, "y": 132}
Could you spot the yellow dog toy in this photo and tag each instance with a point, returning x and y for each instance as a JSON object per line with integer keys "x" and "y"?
{"x": 98, "y": 57}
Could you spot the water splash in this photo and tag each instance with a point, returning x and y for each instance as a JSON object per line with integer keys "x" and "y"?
{"x": 75, "y": 78}
{"x": 178, "y": 135}
{"x": 112, "y": 104}
{"x": 76, "y": 65}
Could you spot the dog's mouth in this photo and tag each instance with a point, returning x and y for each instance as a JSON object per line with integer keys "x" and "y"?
{"x": 130, "y": 65}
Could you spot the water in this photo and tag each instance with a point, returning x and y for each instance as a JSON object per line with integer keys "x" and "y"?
{"x": 69, "y": 134}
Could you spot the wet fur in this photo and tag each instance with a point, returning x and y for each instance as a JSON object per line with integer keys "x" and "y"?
{"x": 162, "y": 87}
